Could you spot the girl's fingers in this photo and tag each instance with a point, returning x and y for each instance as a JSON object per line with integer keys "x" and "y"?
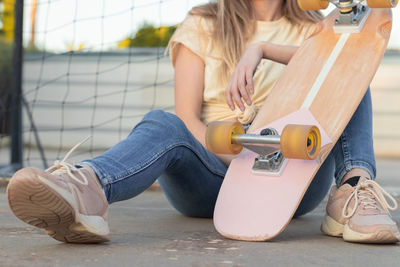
{"x": 249, "y": 81}
{"x": 242, "y": 87}
{"x": 241, "y": 81}
{"x": 238, "y": 100}
{"x": 235, "y": 92}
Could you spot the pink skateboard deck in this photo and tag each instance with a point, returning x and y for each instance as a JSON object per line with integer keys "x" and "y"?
{"x": 322, "y": 86}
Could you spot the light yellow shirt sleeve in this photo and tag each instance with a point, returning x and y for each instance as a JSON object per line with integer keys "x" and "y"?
{"x": 194, "y": 33}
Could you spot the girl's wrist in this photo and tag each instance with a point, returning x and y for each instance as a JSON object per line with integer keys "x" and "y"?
{"x": 264, "y": 46}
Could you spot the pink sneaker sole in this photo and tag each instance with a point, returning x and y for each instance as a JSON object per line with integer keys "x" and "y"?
{"x": 35, "y": 203}
{"x": 382, "y": 236}
{"x": 333, "y": 228}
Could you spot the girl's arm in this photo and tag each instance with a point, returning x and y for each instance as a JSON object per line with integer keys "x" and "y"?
{"x": 241, "y": 81}
{"x": 278, "y": 53}
{"x": 189, "y": 86}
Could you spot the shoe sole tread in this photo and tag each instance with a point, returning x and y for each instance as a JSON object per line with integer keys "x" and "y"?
{"x": 36, "y": 204}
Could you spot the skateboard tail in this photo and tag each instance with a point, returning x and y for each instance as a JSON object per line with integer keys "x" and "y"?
{"x": 258, "y": 215}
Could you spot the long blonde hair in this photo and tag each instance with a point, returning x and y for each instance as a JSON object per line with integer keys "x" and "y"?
{"x": 234, "y": 25}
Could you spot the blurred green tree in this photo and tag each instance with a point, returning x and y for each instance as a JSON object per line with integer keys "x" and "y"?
{"x": 149, "y": 36}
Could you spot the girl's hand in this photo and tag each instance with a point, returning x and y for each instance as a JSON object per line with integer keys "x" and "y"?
{"x": 242, "y": 77}
{"x": 241, "y": 81}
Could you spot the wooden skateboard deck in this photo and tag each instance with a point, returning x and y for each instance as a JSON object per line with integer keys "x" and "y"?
{"x": 322, "y": 85}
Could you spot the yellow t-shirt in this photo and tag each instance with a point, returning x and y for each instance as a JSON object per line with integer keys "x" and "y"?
{"x": 195, "y": 34}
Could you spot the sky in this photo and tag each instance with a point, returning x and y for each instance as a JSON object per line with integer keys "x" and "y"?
{"x": 100, "y": 24}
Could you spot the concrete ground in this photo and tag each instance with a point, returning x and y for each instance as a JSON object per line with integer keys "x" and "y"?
{"x": 147, "y": 231}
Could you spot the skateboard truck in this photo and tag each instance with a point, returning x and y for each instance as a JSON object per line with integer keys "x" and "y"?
{"x": 296, "y": 141}
{"x": 353, "y": 13}
{"x": 270, "y": 159}
{"x": 352, "y": 16}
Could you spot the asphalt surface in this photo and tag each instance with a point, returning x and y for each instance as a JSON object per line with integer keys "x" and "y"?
{"x": 147, "y": 231}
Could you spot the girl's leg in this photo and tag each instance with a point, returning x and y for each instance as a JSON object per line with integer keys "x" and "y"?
{"x": 191, "y": 188}
{"x": 318, "y": 188}
{"x": 355, "y": 208}
{"x": 161, "y": 144}
{"x": 70, "y": 203}
{"x": 354, "y": 151}
{"x": 353, "y": 154}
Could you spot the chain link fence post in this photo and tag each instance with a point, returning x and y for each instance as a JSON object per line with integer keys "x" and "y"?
{"x": 16, "y": 144}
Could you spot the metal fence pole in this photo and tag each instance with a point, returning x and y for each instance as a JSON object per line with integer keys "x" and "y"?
{"x": 16, "y": 83}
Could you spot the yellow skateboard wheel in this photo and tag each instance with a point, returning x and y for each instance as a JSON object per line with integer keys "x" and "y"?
{"x": 307, "y": 5}
{"x": 219, "y": 137}
{"x": 382, "y": 3}
{"x": 300, "y": 141}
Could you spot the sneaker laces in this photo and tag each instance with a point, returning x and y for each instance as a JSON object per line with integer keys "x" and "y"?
{"x": 368, "y": 193}
{"x": 62, "y": 166}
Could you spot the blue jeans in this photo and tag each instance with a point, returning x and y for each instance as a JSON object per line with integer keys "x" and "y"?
{"x": 161, "y": 146}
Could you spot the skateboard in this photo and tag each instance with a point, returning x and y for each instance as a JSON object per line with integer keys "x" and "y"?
{"x": 300, "y": 121}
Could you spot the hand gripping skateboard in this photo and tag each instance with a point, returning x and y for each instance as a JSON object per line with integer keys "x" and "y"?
{"x": 300, "y": 121}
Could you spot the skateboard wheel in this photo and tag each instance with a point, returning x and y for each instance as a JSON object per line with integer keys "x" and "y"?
{"x": 219, "y": 137}
{"x": 300, "y": 141}
{"x": 382, "y": 3}
{"x": 307, "y": 5}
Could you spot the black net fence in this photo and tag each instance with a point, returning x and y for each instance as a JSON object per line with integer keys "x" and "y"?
{"x": 95, "y": 67}
{"x": 91, "y": 68}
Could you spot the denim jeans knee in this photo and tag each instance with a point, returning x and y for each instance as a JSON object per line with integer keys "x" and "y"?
{"x": 163, "y": 123}
{"x": 159, "y": 144}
